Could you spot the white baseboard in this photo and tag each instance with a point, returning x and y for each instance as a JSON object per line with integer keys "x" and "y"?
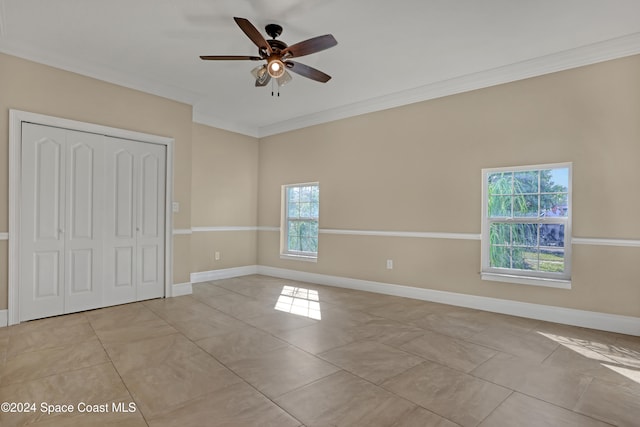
{"x": 4, "y": 318}
{"x": 587, "y": 319}
{"x": 180, "y": 289}
{"x": 225, "y": 273}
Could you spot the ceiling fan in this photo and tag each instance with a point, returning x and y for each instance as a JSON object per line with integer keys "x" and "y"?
{"x": 278, "y": 55}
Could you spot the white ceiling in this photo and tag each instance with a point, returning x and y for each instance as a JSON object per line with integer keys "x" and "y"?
{"x": 389, "y": 53}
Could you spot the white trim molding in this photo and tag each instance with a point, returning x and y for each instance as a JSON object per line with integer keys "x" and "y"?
{"x": 418, "y": 234}
{"x": 596, "y": 241}
{"x": 224, "y": 273}
{"x": 4, "y": 318}
{"x": 200, "y": 229}
{"x": 182, "y": 231}
{"x": 265, "y": 228}
{"x": 4, "y": 236}
{"x": 587, "y": 319}
{"x": 180, "y": 289}
{"x": 524, "y": 280}
{"x": 606, "y": 242}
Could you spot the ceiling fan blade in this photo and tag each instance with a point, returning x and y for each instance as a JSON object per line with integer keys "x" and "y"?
{"x": 255, "y": 36}
{"x": 310, "y": 46}
{"x": 230, "y": 58}
{"x": 309, "y": 72}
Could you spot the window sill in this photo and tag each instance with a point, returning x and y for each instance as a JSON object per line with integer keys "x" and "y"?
{"x": 527, "y": 280}
{"x": 306, "y": 258}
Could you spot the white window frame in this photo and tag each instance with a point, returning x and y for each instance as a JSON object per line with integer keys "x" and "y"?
{"x": 526, "y": 277}
{"x": 285, "y": 253}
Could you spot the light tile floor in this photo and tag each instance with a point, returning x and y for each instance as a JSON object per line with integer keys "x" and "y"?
{"x": 225, "y": 356}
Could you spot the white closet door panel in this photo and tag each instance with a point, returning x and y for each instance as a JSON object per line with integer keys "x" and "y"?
{"x": 42, "y": 226}
{"x": 123, "y": 196}
{"x": 120, "y": 222}
{"x": 152, "y": 159}
{"x": 92, "y": 227}
{"x": 85, "y": 187}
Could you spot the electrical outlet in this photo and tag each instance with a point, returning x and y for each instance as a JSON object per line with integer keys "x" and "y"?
{"x": 176, "y": 206}
{"x": 216, "y": 255}
{"x": 389, "y": 264}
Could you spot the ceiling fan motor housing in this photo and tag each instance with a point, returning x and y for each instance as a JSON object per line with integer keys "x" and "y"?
{"x": 273, "y": 30}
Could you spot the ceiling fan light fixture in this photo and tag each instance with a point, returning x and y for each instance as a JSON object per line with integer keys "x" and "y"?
{"x": 275, "y": 68}
{"x": 286, "y": 78}
{"x": 259, "y": 71}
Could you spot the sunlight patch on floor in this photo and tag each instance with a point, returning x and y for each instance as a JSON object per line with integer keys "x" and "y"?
{"x": 618, "y": 358}
{"x": 299, "y": 301}
{"x": 632, "y": 374}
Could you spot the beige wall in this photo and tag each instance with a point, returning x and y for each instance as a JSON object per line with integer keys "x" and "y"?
{"x": 418, "y": 168}
{"x": 37, "y": 88}
{"x": 413, "y": 168}
{"x": 224, "y": 182}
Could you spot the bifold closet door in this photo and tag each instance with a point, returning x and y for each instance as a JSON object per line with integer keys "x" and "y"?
{"x": 134, "y": 220}
{"x": 61, "y": 221}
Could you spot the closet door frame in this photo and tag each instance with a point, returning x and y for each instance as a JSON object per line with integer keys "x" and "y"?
{"x": 16, "y": 118}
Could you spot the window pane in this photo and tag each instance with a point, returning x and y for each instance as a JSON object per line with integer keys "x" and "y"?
{"x": 525, "y": 234}
{"x": 309, "y": 244}
{"x": 525, "y": 258}
{"x": 554, "y": 204}
{"x": 313, "y": 229}
{"x": 563, "y": 204}
{"x": 500, "y": 256}
{"x": 525, "y": 206}
{"x": 500, "y": 234}
{"x": 294, "y": 210}
{"x": 552, "y": 260}
{"x": 525, "y": 182}
{"x": 552, "y": 235}
{"x": 554, "y": 180}
{"x": 500, "y": 183}
{"x": 305, "y": 194}
{"x": 499, "y": 206}
{"x": 305, "y": 210}
{"x": 294, "y": 243}
{"x": 303, "y": 229}
{"x": 301, "y": 216}
{"x": 293, "y": 194}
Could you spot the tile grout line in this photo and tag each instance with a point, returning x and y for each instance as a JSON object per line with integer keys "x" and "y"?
{"x": 467, "y": 373}
{"x": 194, "y": 342}
{"x": 340, "y": 369}
{"x": 119, "y": 374}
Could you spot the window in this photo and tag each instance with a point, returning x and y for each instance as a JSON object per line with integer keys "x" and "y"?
{"x": 301, "y": 203}
{"x": 526, "y": 225}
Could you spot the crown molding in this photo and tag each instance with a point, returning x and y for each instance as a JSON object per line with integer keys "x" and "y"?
{"x": 201, "y": 117}
{"x": 585, "y": 55}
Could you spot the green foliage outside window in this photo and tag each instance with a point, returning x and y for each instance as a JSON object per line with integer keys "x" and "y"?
{"x": 302, "y": 218}
{"x": 520, "y": 195}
